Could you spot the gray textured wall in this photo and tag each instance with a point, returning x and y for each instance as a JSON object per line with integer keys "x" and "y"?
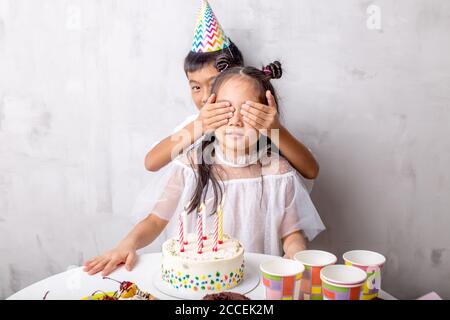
{"x": 87, "y": 86}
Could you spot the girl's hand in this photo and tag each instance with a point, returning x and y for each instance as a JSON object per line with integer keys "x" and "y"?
{"x": 293, "y": 243}
{"x": 292, "y": 250}
{"x": 260, "y": 116}
{"x": 108, "y": 262}
{"x": 214, "y": 115}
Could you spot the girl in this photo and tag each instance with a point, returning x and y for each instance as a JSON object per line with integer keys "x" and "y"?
{"x": 266, "y": 204}
{"x": 202, "y": 65}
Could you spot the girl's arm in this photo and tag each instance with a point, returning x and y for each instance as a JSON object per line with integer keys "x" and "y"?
{"x": 293, "y": 243}
{"x": 261, "y": 116}
{"x": 212, "y": 116}
{"x": 144, "y": 233}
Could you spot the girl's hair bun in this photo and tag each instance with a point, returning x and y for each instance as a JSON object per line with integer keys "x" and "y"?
{"x": 223, "y": 61}
{"x": 273, "y": 70}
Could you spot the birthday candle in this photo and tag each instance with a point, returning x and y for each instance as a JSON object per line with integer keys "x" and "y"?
{"x": 216, "y": 231}
{"x": 184, "y": 217}
{"x": 220, "y": 220}
{"x": 203, "y": 214}
{"x": 200, "y": 231}
{"x": 181, "y": 240}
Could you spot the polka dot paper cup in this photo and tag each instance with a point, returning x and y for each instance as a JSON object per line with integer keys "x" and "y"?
{"x": 341, "y": 282}
{"x": 371, "y": 263}
{"x": 314, "y": 261}
{"x": 281, "y": 278}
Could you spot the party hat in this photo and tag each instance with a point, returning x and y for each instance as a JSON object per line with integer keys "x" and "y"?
{"x": 209, "y": 36}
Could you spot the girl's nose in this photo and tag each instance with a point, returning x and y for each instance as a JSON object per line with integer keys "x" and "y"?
{"x": 236, "y": 120}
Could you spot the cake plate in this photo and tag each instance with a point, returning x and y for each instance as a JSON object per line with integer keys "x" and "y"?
{"x": 249, "y": 283}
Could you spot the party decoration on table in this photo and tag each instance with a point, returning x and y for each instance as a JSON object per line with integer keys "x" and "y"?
{"x": 209, "y": 35}
{"x": 430, "y": 296}
{"x": 314, "y": 261}
{"x": 341, "y": 282}
{"x": 370, "y": 262}
{"x": 282, "y": 277}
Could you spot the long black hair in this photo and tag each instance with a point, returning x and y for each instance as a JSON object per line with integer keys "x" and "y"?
{"x": 205, "y": 173}
{"x": 223, "y": 59}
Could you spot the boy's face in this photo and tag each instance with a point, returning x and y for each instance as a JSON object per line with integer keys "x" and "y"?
{"x": 200, "y": 82}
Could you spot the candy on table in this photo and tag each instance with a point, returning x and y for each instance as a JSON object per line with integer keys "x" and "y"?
{"x": 129, "y": 290}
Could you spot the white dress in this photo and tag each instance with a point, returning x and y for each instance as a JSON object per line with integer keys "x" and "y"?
{"x": 263, "y": 202}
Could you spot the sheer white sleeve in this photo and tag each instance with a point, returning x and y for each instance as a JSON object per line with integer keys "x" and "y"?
{"x": 168, "y": 192}
{"x": 300, "y": 212}
{"x": 309, "y": 183}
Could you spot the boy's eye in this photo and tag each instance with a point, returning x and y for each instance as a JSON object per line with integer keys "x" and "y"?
{"x": 195, "y": 88}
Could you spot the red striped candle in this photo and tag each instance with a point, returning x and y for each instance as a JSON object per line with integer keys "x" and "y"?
{"x": 181, "y": 240}
{"x": 220, "y": 219}
{"x": 216, "y": 232}
{"x": 200, "y": 231}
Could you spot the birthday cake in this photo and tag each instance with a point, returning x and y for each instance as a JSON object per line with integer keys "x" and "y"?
{"x": 210, "y": 271}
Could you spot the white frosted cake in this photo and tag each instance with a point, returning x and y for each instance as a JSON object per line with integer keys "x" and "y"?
{"x": 210, "y": 271}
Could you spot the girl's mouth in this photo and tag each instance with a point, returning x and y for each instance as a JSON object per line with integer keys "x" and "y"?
{"x": 234, "y": 134}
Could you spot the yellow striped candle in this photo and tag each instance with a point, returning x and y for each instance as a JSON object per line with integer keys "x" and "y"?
{"x": 203, "y": 215}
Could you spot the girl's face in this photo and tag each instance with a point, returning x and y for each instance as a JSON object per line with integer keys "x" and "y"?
{"x": 201, "y": 82}
{"x": 237, "y": 135}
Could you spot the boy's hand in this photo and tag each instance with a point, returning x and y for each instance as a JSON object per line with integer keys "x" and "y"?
{"x": 214, "y": 115}
{"x": 109, "y": 261}
{"x": 260, "y": 116}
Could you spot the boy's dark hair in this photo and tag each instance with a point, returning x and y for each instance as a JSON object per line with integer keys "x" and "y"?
{"x": 223, "y": 59}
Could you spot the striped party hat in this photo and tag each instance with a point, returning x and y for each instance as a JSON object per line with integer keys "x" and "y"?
{"x": 209, "y": 36}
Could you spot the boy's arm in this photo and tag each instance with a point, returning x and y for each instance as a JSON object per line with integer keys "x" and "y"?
{"x": 212, "y": 116}
{"x": 173, "y": 145}
{"x": 297, "y": 154}
{"x": 293, "y": 243}
{"x": 265, "y": 117}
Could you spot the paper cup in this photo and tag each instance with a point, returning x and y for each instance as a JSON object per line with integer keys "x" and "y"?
{"x": 372, "y": 263}
{"x": 314, "y": 261}
{"x": 341, "y": 282}
{"x": 281, "y": 278}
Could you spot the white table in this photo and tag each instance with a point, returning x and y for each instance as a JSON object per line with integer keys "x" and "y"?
{"x": 75, "y": 284}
